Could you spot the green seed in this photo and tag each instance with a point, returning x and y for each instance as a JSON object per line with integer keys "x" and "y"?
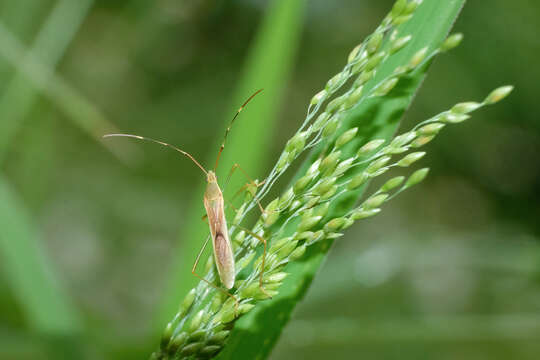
{"x": 374, "y": 42}
{"x": 319, "y": 97}
{"x": 321, "y": 121}
{"x": 455, "y": 118}
{"x": 219, "y": 337}
{"x": 386, "y": 87}
{"x": 465, "y": 107}
{"x": 400, "y": 43}
{"x": 296, "y": 254}
{"x": 301, "y": 184}
{"x": 353, "y": 97}
{"x": 334, "y": 224}
{"x": 418, "y": 57}
{"x": 188, "y": 301}
{"x": 498, "y": 94}
{"x": 401, "y": 19}
{"x": 197, "y": 335}
{"x": 417, "y": 177}
{"x": 331, "y": 192}
{"x": 451, "y": 42}
{"x": 210, "y": 350}
{"x": 354, "y": 53}
{"x": 358, "y": 180}
{"x": 344, "y": 166}
{"x": 346, "y": 137}
{"x": 196, "y": 321}
{"x": 411, "y": 158}
{"x": 375, "y": 201}
{"x": 377, "y": 164}
{"x": 329, "y": 163}
{"x": 324, "y": 186}
{"x": 422, "y": 140}
{"x": 362, "y": 214}
{"x": 370, "y": 146}
{"x": 392, "y": 183}
{"x": 375, "y": 60}
{"x": 331, "y": 127}
{"x": 277, "y": 277}
{"x": 191, "y": 348}
{"x": 431, "y": 129}
{"x": 308, "y": 223}
{"x": 335, "y": 82}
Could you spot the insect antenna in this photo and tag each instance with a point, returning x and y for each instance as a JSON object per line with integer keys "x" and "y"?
{"x": 160, "y": 143}
{"x": 229, "y": 127}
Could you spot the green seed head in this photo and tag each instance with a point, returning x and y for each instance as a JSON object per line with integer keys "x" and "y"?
{"x": 417, "y": 177}
{"x": 411, "y": 158}
{"x": 358, "y": 180}
{"x": 346, "y": 137}
{"x": 353, "y": 98}
{"x": 188, "y": 301}
{"x": 319, "y": 97}
{"x": 374, "y": 42}
{"x": 370, "y": 146}
{"x": 321, "y": 121}
{"x": 377, "y": 164}
{"x": 375, "y": 60}
{"x": 343, "y": 166}
{"x": 455, "y": 118}
{"x": 296, "y": 254}
{"x": 465, "y": 107}
{"x": 375, "y": 201}
{"x": 451, "y": 42}
{"x": 354, "y": 53}
{"x": 196, "y": 321}
{"x": 422, "y": 140}
{"x": 386, "y": 87}
{"x": 418, "y": 57}
{"x": 400, "y": 43}
{"x": 329, "y": 163}
{"x": 362, "y": 214}
{"x": 334, "y": 225}
{"x": 498, "y": 94}
{"x": 431, "y": 129}
{"x": 300, "y": 185}
{"x": 392, "y": 183}
{"x": 324, "y": 186}
{"x": 331, "y": 127}
{"x": 334, "y": 83}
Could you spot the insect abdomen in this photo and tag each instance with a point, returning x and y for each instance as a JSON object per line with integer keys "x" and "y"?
{"x": 224, "y": 260}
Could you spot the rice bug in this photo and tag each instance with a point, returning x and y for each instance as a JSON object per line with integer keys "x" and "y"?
{"x": 215, "y": 212}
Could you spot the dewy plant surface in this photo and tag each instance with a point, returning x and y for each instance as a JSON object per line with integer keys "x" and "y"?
{"x": 323, "y": 200}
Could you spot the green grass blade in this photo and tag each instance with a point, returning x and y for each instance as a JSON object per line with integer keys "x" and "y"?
{"x": 49, "y": 46}
{"x": 268, "y": 65}
{"x": 80, "y": 110}
{"x": 255, "y": 334}
{"x": 32, "y": 280}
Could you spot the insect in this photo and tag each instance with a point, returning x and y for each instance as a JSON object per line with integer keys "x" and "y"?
{"x": 215, "y": 213}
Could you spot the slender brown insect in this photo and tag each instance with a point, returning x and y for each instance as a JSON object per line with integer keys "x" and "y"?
{"x": 215, "y": 212}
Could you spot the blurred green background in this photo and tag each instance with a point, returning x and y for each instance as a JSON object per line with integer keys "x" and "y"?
{"x": 90, "y": 230}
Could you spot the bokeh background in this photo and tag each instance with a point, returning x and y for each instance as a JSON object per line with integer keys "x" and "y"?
{"x": 89, "y": 229}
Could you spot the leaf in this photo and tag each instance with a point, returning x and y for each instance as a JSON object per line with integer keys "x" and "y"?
{"x": 268, "y": 65}
{"x": 255, "y": 334}
{"x": 31, "y": 277}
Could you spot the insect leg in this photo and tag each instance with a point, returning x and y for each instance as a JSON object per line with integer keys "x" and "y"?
{"x": 246, "y": 187}
{"x": 263, "y": 240}
{"x": 208, "y": 282}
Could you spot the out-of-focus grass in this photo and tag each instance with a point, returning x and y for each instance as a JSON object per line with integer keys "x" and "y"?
{"x": 267, "y": 66}
{"x": 32, "y": 277}
{"x": 49, "y": 46}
